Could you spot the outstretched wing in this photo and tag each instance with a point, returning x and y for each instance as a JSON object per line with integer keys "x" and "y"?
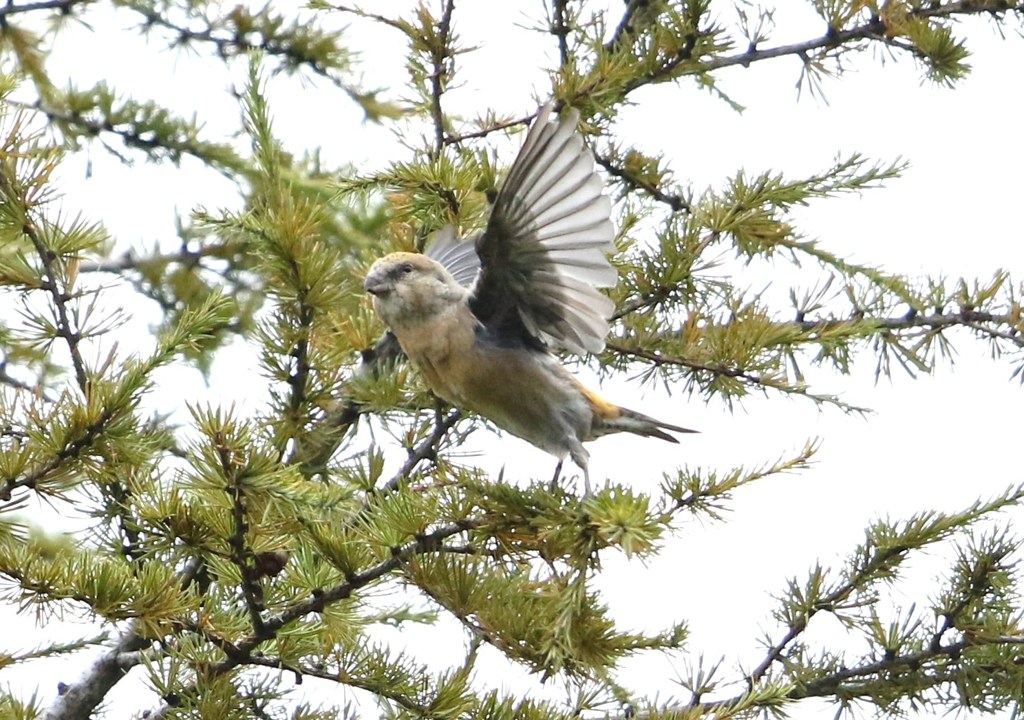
{"x": 543, "y": 254}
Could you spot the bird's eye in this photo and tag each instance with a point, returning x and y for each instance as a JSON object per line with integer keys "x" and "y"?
{"x": 405, "y": 268}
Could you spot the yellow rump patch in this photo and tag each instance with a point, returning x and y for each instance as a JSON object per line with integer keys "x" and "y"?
{"x": 602, "y": 408}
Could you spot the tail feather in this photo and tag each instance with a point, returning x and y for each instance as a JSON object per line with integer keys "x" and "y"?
{"x": 610, "y": 418}
{"x": 637, "y": 423}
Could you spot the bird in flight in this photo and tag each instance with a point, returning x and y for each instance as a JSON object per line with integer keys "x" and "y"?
{"x": 479, "y": 317}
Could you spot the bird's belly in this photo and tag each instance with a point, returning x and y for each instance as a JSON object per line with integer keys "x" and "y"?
{"x": 525, "y": 393}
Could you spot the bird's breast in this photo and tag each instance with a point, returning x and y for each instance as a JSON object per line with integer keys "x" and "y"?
{"x": 442, "y": 348}
{"x": 524, "y": 391}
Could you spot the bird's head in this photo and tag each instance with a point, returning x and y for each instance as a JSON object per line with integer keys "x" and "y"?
{"x": 409, "y": 288}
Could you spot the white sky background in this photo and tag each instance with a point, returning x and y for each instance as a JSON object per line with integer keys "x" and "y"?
{"x": 933, "y": 443}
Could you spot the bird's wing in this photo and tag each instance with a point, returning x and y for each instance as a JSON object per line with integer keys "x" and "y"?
{"x": 458, "y": 256}
{"x": 543, "y": 254}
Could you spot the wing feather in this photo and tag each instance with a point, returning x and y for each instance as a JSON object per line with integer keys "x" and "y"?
{"x": 574, "y": 181}
{"x": 543, "y": 255}
{"x": 458, "y": 256}
{"x": 568, "y": 197}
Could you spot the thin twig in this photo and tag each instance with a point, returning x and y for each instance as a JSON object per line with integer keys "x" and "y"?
{"x": 63, "y": 7}
{"x": 61, "y": 295}
{"x": 873, "y": 29}
{"x": 383, "y": 20}
{"x": 658, "y": 358}
{"x": 440, "y": 56}
{"x": 424, "y": 544}
{"x": 129, "y": 260}
{"x": 313, "y": 449}
{"x": 131, "y": 137}
{"x": 676, "y": 202}
{"x": 427, "y": 543}
{"x": 881, "y": 557}
{"x": 488, "y": 129}
{"x": 626, "y": 28}
{"x": 560, "y": 29}
{"x": 972, "y": 319}
{"x": 236, "y": 43}
{"x": 342, "y": 678}
{"x": 241, "y": 554}
{"x": 11, "y": 381}
{"x": 73, "y": 448}
{"x": 828, "y": 685}
{"x": 975, "y": 320}
{"x": 298, "y": 378}
{"x": 426, "y": 449}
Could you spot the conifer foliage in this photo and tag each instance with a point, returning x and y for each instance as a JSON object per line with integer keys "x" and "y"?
{"x": 223, "y": 557}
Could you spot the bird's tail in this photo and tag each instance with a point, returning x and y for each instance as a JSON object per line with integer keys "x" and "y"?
{"x": 637, "y": 423}
{"x": 610, "y": 418}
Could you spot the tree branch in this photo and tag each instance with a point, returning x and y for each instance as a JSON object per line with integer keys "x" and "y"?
{"x": 440, "y": 54}
{"x": 83, "y": 697}
{"x": 874, "y": 29}
{"x": 234, "y": 42}
{"x": 80, "y": 699}
{"x": 426, "y": 449}
{"x": 676, "y": 202}
{"x": 241, "y": 554}
{"x": 985, "y": 323}
{"x": 488, "y": 129}
{"x": 982, "y": 322}
{"x": 658, "y": 359}
{"x": 73, "y": 448}
{"x": 427, "y": 543}
{"x": 382, "y": 19}
{"x": 242, "y": 653}
{"x": 829, "y": 684}
{"x": 60, "y": 296}
{"x": 342, "y": 678}
{"x": 129, "y": 260}
{"x": 7, "y": 379}
{"x": 626, "y": 28}
{"x": 834, "y": 683}
{"x": 132, "y": 137}
{"x": 560, "y": 29}
{"x": 314, "y": 448}
{"x": 299, "y": 372}
{"x": 63, "y": 7}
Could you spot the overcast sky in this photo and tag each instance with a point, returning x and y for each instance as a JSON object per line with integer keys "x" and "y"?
{"x": 936, "y": 442}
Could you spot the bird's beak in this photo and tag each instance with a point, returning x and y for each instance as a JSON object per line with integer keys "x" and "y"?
{"x": 376, "y": 284}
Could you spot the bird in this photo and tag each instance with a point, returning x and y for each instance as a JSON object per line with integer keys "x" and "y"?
{"x": 482, "y": 317}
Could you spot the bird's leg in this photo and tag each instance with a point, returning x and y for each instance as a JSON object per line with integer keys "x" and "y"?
{"x": 558, "y": 473}
{"x": 581, "y": 457}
